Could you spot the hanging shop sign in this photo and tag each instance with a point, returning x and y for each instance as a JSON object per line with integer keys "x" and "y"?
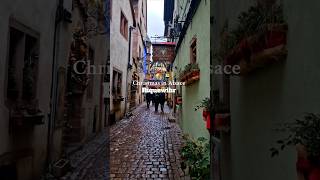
{"x": 163, "y": 51}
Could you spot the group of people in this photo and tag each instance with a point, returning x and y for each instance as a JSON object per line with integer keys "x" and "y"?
{"x": 156, "y": 99}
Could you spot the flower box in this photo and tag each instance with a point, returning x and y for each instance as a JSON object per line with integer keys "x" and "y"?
{"x": 193, "y": 76}
{"x": 258, "y": 60}
{"x": 190, "y": 74}
{"x": 259, "y": 49}
{"x": 185, "y": 76}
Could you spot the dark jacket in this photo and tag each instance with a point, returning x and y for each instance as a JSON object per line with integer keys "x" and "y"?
{"x": 162, "y": 98}
{"x": 149, "y": 97}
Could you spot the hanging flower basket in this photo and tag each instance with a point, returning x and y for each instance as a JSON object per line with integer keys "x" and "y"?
{"x": 206, "y": 117}
{"x": 205, "y": 113}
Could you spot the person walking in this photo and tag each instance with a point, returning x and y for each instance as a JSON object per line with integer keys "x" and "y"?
{"x": 162, "y": 100}
{"x": 156, "y": 100}
{"x": 149, "y": 99}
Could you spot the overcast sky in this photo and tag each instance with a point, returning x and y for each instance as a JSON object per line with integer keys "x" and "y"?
{"x": 155, "y": 18}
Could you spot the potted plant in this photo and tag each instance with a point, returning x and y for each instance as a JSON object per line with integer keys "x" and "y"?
{"x": 195, "y": 156}
{"x": 206, "y": 106}
{"x": 304, "y": 134}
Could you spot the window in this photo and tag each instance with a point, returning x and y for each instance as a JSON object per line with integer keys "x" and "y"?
{"x": 124, "y": 26}
{"x": 193, "y": 50}
{"x": 116, "y": 83}
{"x": 22, "y": 64}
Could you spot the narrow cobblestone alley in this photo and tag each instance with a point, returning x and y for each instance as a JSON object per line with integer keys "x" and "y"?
{"x": 145, "y": 146}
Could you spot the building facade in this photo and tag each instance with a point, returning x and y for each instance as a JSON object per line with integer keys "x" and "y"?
{"x": 139, "y": 53}
{"x": 192, "y": 27}
{"x": 26, "y": 55}
{"x": 274, "y": 93}
{"x": 122, "y": 23}
{"x": 46, "y": 105}
{"x": 80, "y": 69}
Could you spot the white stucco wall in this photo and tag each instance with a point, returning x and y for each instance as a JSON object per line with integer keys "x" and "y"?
{"x": 119, "y": 46}
{"x": 277, "y": 93}
{"x": 38, "y": 15}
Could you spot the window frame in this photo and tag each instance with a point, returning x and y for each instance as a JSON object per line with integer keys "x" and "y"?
{"x": 124, "y": 25}
{"x": 116, "y": 86}
{"x": 26, "y": 32}
{"x": 193, "y": 50}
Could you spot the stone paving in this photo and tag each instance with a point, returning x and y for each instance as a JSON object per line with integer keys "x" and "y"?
{"x": 91, "y": 161}
{"x": 146, "y": 146}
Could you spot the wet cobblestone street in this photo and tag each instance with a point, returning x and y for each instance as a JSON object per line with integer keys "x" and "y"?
{"x": 145, "y": 146}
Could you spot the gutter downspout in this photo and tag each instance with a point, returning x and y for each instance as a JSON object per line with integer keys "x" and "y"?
{"x": 53, "y": 83}
{"x": 60, "y": 16}
{"x": 128, "y": 67}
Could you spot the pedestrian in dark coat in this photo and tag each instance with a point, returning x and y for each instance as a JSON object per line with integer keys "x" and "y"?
{"x": 148, "y": 98}
{"x": 162, "y": 100}
{"x": 156, "y": 100}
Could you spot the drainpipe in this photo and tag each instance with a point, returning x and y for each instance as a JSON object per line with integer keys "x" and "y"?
{"x": 128, "y": 68}
{"x": 53, "y": 84}
{"x": 60, "y": 16}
